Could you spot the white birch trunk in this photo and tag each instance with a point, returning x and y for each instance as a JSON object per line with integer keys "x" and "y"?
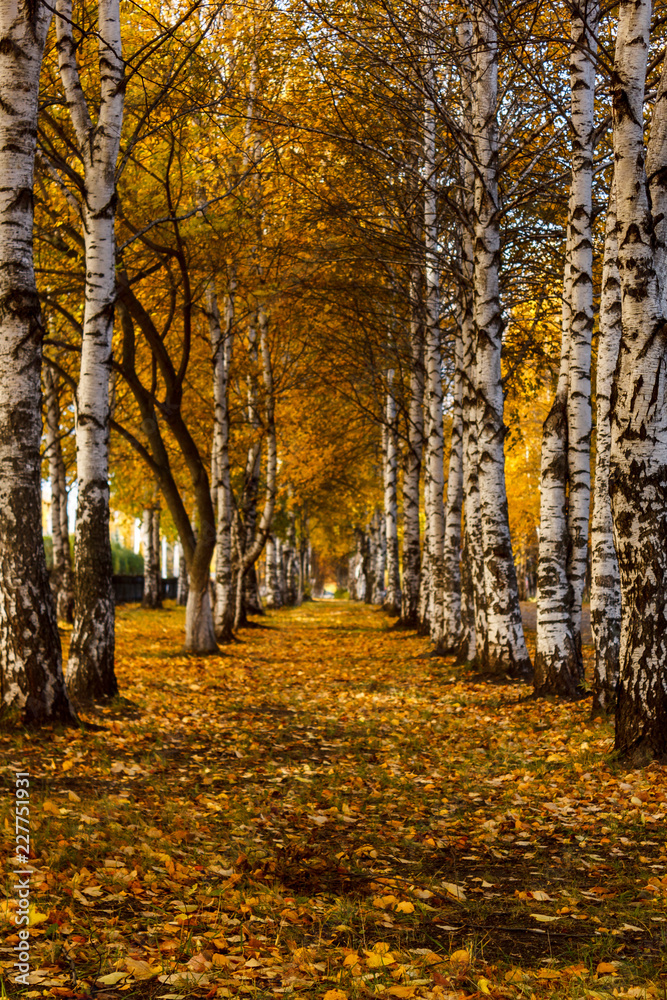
{"x": 291, "y": 569}
{"x": 502, "y": 649}
{"x": 31, "y": 677}
{"x": 392, "y": 598}
{"x": 451, "y": 617}
{"x": 638, "y": 462}
{"x": 582, "y": 82}
{"x": 605, "y": 584}
{"x": 90, "y": 670}
{"x": 151, "y": 538}
{"x": 379, "y": 549}
{"x": 248, "y": 556}
{"x": 556, "y": 658}
{"x": 434, "y": 494}
{"x": 222, "y": 345}
{"x": 565, "y": 487}
{"x": 473, "y": 616}
{"x": 413, "y": 462}
{"x": 274, "y": 597}
{"x": 182, "y": 585}
{"x": 61, "y": 577}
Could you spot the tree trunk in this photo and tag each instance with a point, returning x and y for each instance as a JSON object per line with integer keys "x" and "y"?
{"x": 274, "y": 598}
{"x": 61, "y": 576}
{"x": 502, "y": 649}
{"x": 584, "y": 28}
{"x": 151, "y": 533}
{"x": 474, "y": 620}
{"x": 557, "y": 660}
{"x": 435, "y": 481}
{"x": 90, "y": 670}
{"x": 605, "y": 584}
{"x": 199, "y": 630}
{"x": 392, "y": 598}
{"x": 222, "y": 346}
{"x": 638, "y": 462}
{"x": 182, "y": 586}
{"x": 379, "y": 557}
{"x": 247, "y": 556}
{"x": 451, "y": 618}
{"x": 31, "y": 678}
{"x": 413, "y": 461}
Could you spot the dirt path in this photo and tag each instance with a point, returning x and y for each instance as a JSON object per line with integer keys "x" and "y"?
{"x": 321, "y": 812}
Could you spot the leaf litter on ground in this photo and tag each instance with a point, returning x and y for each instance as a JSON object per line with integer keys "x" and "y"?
{"x": 320, "y": 812}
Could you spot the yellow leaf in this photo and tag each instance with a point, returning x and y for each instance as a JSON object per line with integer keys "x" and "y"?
{"x": 335, "y": 995}
{"x": 483, "y": 985}
{"x": 543, "y": 917}
{"x": 50, "y": 807}
{"x": 376, "y": 961}
{"x": 460, "y": 957}
{"x": 540, "y": 896}
{"x": 606, "y": 969}
{"x": 68, "y": 764}
{"x": 35, "y": 917}
{"x": 140, "y": 970}
{"x": 401, "y": 991}
{"x": 112, "y": 978}
{"x": 454, "y": 890}
{"x": 351, "y": 959}
{"x": 405, "y": 908}
{"x": 515, "y": 976}
{"x": 547, "y": 974}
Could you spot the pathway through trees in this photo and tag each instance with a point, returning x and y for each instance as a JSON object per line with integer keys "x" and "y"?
{"x": 323, "y": 811}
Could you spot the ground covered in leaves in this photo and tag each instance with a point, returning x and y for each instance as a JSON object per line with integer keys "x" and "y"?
{"x": 322, "y": 813}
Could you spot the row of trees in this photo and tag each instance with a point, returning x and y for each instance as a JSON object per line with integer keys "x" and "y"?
{"x": 336, "y": 246}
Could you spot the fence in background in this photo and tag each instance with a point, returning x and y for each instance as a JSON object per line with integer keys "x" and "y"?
{"x": 130, "y": 589}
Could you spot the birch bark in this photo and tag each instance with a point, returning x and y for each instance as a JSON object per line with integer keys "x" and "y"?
{"x": 557, "y": 662}
{"x": 434, "y": 491}
{"x": 584, "y": 27}
{"x": 451, "y": 618}
{"x": 474, "y": 619}
{"x": 413, "y": 462}
{"x": 273, "y": 590}
{"x": 222, "y": 345}
{"x": 605, "y": 584}
{"x": 90, "y": 670}
{"x": 182, "y": 586}
{"x": 61, "y": 577}
{"x": 502, "y": 649}
{"x": 248, "y": 556}
{"x": 379, "y": 557}
{"x": 392, "y": 597}
{"x": 638, "y": 461}
{"x": 31, "y": 677}
{"x": 151, "y": 535}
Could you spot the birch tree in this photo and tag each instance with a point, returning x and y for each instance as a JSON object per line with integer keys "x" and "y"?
{"x": 502, "y": 648}
{"x": 638, "y": 460}
{"x": 566, "y": 443}
{"x": 413, "y": 460}
{"x": 151, "y": 539}
{"x": 474, "y": 618}
{"x": 61, "y": 576}
{"x": 605, "y": 584}
{"x": 90, "y": 670}
{"x": 434, "y": 456}
{"x": 392, "y": 598}
{"x": 31, "y": 677}
{"x": 222, "y": 345}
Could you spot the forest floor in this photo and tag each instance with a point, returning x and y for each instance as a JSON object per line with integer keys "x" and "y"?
{"x": 322, "y": 813}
